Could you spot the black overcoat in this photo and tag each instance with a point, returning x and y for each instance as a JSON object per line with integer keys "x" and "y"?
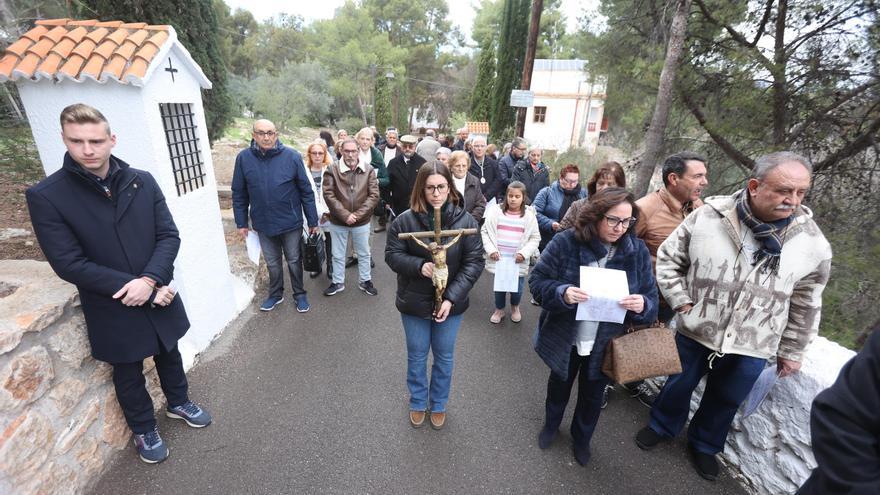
{"x": 100, "y": 243}
{"x": 402, "y": 178}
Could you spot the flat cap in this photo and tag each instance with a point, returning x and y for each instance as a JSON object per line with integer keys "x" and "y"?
{"x": 408, "y": 139}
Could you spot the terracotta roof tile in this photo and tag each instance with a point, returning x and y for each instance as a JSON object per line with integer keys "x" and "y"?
{"x": 27, "y": 66}
{"x": 20, "y": 47}
{"x": 114, "y": 67}
{"x": 159, "y": 38}
{"x": 137, "y": 69}
{"x": 98, "y": 34}
{"x": 78, "y": 49}
{"x": 127, "y": 50}
{"x": 93, "y": 67}
{"x": 106, "y": 49}
{"x": 55, "y": 34}
{"x": 35, "y": 33}
{"x": 64, "y": 48}
{"x": 118, "y": 36}
{"x": 42, "y": 48}
{"x": 72, "y": 67}
{"x": 8, "y": 63}
{"x": 52, "y": 22}
{"x": 147, "y": 52}
{"x": 139, "y": 36}
{"x": 50, "y": 65}
{"x": 77, "y": 34}
{"x": 477, "y": 127}
{"x": 85, "y": 48}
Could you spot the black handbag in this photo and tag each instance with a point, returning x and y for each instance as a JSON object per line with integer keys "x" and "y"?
{"x": 312, "y": 251}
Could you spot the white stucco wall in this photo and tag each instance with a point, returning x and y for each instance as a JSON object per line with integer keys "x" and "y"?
{"x": 202, "y": 266}
{"x": 567, "y": 96}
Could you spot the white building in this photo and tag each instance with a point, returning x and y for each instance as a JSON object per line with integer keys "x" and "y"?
{"x": 568, "y": 108}
{"x": 149, "y": 88}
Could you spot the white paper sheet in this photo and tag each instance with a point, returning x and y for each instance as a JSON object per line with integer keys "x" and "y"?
{"x": 606, "y": 288}
{"x": 253, "y": 246}
{"x": 506, "y": 275}
{"x": 760, "y": 389}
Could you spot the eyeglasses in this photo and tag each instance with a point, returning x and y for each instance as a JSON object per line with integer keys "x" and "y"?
{"x": 264, "y": 133}
{"x": 613, "y": 222}
{"x": 570, "y": 182}
{"x": 350, "y": 151}
{"x": 316, "y": 152}
{"x": 522, "y": 149}
{"x": 439, "y": 188}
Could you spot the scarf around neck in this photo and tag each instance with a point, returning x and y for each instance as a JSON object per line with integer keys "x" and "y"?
{"x": 769, "y": 234}
{"x": 569, "y": 196}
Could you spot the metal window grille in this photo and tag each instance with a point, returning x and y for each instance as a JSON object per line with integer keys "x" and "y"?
{"x": 540, "y": 114}
{"x": 182, "y": 139}
{"x": 591, "y": 127}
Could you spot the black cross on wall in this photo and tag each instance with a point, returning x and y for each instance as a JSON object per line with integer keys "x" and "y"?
{"x": 170, "y": 69}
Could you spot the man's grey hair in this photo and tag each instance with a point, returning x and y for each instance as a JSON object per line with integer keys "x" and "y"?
{"x": 765, "y": 163}
{"x": 518, "y": 142}
{"x": 431, "y": 132}
{"x": 443, "y": 151}
{"x": 677, "y": 164}
{"x": 478, "y": 137}
{"x": 348, "y": 140}
{"x": 390, "y": 131}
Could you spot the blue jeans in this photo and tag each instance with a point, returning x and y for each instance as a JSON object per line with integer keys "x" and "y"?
{"x": 515, "y": 297}
{"x": 589, "y": 400}
{"x": 423, "y": 335}
{"x": 729, "y": 382}
{"x": 360, "y": 237}
{"x": 272, "y": 247}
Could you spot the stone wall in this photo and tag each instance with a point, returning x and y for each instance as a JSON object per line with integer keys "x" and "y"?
{"x": 59, "y": 419}
{"x": 770, "y": 450}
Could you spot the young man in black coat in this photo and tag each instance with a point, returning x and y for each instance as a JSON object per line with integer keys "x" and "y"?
{"x": 105, "y": 228}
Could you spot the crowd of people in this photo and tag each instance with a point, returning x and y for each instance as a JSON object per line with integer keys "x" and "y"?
{"x": 739, "y": 277}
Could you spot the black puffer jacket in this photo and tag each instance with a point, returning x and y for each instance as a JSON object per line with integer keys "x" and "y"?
{"x": 415, "y": 292}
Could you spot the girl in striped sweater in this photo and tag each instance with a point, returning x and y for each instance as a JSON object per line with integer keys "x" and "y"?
{"x": 511, "y": 230}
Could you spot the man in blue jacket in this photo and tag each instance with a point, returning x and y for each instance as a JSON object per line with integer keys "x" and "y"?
{"x": 271, "y": 179}
{"x": 105, "y": 228}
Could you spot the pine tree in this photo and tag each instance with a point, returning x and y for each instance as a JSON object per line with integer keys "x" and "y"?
{"x": 511, "y": 57}
{"x": 195, "y": 22}
{"x": 384, "y": 103}
{"x": 481, "y": 97}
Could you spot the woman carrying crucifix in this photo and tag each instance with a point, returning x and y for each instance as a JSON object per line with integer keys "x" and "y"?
{"x": 432, "y": 324}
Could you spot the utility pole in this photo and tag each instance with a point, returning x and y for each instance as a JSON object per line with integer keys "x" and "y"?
{"x": 529, "y": 63}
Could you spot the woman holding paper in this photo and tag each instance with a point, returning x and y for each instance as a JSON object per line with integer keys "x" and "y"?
{"x": 510, "y": 238}
{"x": 430, "y": 329}
{"x": 575, "y": 348}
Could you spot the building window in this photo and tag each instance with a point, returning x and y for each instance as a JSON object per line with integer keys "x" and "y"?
{"x": 591, "y": 127}
{"x": 182, "y": 138}
{"x": 540, "y": 114}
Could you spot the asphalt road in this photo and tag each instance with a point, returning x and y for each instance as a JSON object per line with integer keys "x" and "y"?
{"x": 317, "y": 403}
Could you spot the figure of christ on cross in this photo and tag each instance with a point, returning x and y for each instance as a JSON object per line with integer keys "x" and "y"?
{"x": 440, "y": 276}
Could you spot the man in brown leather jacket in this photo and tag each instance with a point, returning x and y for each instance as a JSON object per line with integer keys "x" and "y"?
{"x": 684, "y": 180}
{"x": 351, "y": 191}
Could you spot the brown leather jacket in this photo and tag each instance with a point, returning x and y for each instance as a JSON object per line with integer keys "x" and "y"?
{"x": 352, "y": 191}
{"x": 659, "y": 214}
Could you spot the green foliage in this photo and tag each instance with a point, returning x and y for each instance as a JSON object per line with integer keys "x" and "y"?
{"x": 511, "y": 55}
{"x": 19, "y": 160}
{"x": 195, "y": 22}
{"x": 384, "y": 103}
{"x": 481, "y": 97}
{"x": 297, "y": 96}
{"x": 457, "y": 120}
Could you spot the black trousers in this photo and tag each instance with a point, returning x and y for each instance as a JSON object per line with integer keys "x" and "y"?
{"x": 131, "y": 388}
{"x": 589, "y": 400}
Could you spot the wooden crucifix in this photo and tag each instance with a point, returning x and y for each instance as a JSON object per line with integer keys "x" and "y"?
{"x": 440, "y": 277}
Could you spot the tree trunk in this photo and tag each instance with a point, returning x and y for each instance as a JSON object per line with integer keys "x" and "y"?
{"x": 529, "y": 63}
{"x": 657, "y": 130}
